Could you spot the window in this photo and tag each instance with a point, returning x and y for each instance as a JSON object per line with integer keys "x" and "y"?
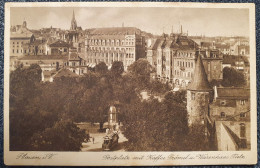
{"x": 242, "y": 102}
{"x": 192, "y": 96}
{"x": 222, "y": 114}
{"x": 242, "y": 130}
{"x": 242, "y": 115}
{"x": 13, "y": 51}
{"x": 17, "y": 51}
{"x": 223, "y": 103}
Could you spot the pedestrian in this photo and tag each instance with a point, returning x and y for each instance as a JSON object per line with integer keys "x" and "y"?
{"x": 93, "y": 139}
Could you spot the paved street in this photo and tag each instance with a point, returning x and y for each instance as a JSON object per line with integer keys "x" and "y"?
{"x": 97, "y": 146}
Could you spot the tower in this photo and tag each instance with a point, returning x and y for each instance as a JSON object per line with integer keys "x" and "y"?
{"x": 199, "y": 95}
{"x": 73, "y": 22}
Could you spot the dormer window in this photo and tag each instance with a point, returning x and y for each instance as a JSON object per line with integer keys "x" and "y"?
{"x": 222, "y": 114}
{"x": 223, "y": 103}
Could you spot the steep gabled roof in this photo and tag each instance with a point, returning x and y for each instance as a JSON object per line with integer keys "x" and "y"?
{"x": 200, "y": 81}
{"x": 59, "y": 43}
{"x": 65, "y": 73}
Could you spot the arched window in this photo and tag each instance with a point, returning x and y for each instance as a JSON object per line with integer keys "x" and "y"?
{"x": 177, "y": 81}
{"x": 222, "y": 114}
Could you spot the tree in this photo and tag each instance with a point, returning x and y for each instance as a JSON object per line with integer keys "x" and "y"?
{"x": 117, "y": 68}
{"x": 101, "y": 68}
{"x": 63, "y": 136}
{"x": 233, "y": 77}
{"x": 24, "y": 89}
{"x": 155, "y": 126}
{"x": 140, "y": 71}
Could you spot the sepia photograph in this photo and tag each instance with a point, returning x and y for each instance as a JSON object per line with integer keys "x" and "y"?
{"x": 130, "y": 84}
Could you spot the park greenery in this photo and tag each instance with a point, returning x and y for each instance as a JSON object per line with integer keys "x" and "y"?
{"x": 43, "y": 114}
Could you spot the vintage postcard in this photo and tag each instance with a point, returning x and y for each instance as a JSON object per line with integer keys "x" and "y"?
{"x": 130, "y": 83}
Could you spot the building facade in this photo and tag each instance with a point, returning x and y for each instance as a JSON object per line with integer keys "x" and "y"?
{"x": 231, "y": 112}
{"x": 20, "y": 36}
{"x": 107, "y": 45}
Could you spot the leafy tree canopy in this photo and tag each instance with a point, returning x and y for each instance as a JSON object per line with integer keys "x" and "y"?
{"x": 233, "y": 77}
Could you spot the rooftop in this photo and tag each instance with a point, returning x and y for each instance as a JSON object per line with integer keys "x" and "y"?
{"x": 65, "y": 73}
{"x": 44, "y": 57}
{"x": 59, "y": 43}
{"x": 115, "y": 31}
{"x": 233, "y": 93}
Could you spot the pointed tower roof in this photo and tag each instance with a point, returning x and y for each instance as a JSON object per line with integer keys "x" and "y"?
{"x": 73, "y": 15}
{"x": 73, "y": 22}
{"x": 200, "y": 81}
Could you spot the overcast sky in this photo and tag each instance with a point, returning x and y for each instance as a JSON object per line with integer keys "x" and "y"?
{"x": 211, "y": 22}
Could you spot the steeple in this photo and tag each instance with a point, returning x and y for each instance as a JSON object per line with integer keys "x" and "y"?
{"x": 73, "y": 22}
{"x": 73, "y": 16}
{"x": 200, "y": 81}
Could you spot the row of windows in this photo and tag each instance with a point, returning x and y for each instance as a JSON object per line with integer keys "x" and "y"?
{"x": 127, "y": 62}
{"x": 18, "y": 42}
{"x": 185, "y": 54}
{"x": 127, "y": 55}
{"x": 223, "y": 115}
{"x": 183, "y": 74}
{"x": 185, "y": 64}
{"x": 193, "y": 96}
{"x": 111, "y": 48}
{"x": 112, "y": 42}
{"x": 224, "y": 102}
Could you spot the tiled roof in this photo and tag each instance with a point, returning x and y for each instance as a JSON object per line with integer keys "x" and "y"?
{"x": 21, "y": 35}
{"x": 233, "y": 93}
{"x": 154, "y": 44}
{"x": 65, "y": 73}
{"x": 200, "y": 80}
{"x": 59, "y": 43}
{"x": 222, "y": 46}
{"x": 44, "y": 57}
{"x": 185, "y": 43}
{"x": 115, "y": 31}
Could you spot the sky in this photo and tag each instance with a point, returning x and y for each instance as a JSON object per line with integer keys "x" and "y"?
{"x": 197, "y": 21}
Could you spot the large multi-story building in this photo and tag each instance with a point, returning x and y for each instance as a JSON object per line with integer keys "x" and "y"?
{"x": 107, "y": 45}
{"x": 20, "y": 35}
{"x": 176, "y": 56}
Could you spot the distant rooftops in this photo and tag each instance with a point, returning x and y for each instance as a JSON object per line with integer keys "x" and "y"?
{"x": 59, "y": 43}
{"x": 44, "y": 57}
